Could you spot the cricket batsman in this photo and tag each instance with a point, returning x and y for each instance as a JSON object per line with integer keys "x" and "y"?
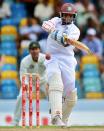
{"x": 32, "y": 63}
{"x": 61, "y": 67}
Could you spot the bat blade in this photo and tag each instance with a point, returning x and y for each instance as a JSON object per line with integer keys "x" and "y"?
{"x": 78, "y": 45}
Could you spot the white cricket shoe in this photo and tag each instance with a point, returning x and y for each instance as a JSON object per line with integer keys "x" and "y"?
{"x": 57, "y": 121}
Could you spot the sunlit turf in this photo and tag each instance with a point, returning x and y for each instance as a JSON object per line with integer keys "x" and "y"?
{"x": 52, "y": 127}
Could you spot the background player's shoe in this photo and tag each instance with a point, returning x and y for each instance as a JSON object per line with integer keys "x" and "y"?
{"x": 57, "y": 121}
{"x": 15, "y": 123}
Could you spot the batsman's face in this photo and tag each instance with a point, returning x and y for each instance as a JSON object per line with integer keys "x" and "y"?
{"x": 67, "y": 18}
{"x": 35, "y": 53}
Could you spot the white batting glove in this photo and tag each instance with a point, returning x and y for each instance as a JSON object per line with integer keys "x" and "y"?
{"x": 48, "y": 26}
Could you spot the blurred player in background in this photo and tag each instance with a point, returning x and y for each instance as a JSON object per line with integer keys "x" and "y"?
{"x": 61, "y": 66}
{"x": 32, "y": 63}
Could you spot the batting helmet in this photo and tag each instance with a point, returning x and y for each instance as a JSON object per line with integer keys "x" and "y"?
{"x": 68, "y": 9}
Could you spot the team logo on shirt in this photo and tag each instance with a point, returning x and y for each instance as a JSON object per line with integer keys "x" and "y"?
{"x": 31, "y": 66}
{"x": 69, "y": 8}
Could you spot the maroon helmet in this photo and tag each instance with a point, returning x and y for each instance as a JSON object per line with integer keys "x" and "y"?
{"x": 66, "y": 10}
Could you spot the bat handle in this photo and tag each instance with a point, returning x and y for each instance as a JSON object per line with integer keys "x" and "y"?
{"x": 65, "y": 37}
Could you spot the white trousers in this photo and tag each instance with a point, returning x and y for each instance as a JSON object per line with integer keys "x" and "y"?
{"x": 67, "y": 72}
{"x": 61, "y": 80}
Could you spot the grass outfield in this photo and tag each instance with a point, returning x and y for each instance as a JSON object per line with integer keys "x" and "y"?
{"x": 53, "y": 128}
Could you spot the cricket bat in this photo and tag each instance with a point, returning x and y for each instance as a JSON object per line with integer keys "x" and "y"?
{"x": 78, "y": 45}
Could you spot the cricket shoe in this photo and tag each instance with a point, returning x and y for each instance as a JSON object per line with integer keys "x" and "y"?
{"x": 57, "y": 121}
{"x": 15, "y": 123}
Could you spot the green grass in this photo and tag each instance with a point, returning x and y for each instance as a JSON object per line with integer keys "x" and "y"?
{"x": 87, "y": 126}
{"x": 52, "y": 127}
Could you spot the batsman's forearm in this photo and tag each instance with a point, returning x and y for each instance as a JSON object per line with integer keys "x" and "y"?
{"x": 78, "y": 45}
{"x": 64, "y": 40}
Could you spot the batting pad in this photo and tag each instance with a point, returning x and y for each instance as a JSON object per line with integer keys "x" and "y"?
{"x": 55, "y": 82}
{"x": 55, "y": 99}
{"x": 68, "y": 104}
{"x": 55, "y": 89}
